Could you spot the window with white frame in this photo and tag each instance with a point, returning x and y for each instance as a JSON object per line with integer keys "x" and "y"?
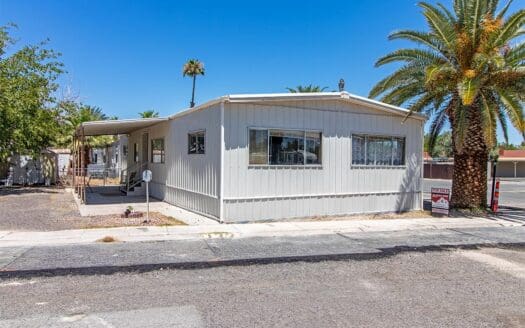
{"x": 157, "y": 150}
{"x": 196, "y": 142}
{"x": 378, "y": 150}
{"x": 284, "y": 147}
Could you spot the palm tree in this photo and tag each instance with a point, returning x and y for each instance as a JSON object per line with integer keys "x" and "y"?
{"x": 74, "y": 114}
{"x": 149, "y": 114}
{"x": 467, "y": 70}
{"x": 192, "y": 68}
{"x": 306, "y": 89}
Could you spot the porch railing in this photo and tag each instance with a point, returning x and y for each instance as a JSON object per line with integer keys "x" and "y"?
{"x": 130, "y": 176}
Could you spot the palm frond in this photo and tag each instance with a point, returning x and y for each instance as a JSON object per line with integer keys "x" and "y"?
{"x": 510, "y": 29}
{"x": 514, "y": 110}
{"x": 406, "y": 74}
{"x": 439, "y": 24}
{"x": 420, "y": 56}
{"x": 423, "y": 38}
{"x": 461, "y": 124}
{"x": 503, "y": 10}
{"x": 459, "y": 9}
{"x": 438, "y": 122}
{"x": 488, "y": 121}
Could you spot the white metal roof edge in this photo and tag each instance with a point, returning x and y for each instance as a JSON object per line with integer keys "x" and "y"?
{"x": 258, "y": 97}
{"x": 324, "y": 96}
{"x": 149, "y": 121}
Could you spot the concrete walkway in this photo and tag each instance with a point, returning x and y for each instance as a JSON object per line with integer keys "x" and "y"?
{"x": 98, "y": 258}
{"x": 234, "y": 231}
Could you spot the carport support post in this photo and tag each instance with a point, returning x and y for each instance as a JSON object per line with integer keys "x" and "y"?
{"x": 82, "y": 162}
{"x": 74, "y": 163}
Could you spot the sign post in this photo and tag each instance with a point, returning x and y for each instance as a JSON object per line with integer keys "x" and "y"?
{"x": 146, "y": 176}
{"x": 440, "y": 200}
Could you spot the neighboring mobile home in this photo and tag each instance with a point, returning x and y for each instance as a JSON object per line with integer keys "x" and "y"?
{"x": 273, "y": 156}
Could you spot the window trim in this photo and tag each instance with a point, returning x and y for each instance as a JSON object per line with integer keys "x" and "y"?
{"x": 203, "y": 131}
{"x": 367, "y": 134}
{"x": 163, "y": 155}
{"x": 136, "y": 155}
{"x": 268, "y": 165}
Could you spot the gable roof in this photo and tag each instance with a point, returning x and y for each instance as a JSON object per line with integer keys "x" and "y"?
{"x": 113, "y": 127}
{"x": 313, "y": 96}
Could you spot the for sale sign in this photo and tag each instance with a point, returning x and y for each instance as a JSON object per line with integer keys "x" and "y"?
{"x": 440, "y": 200}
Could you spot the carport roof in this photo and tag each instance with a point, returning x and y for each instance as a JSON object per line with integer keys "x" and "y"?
{"x": 114, "y": 127}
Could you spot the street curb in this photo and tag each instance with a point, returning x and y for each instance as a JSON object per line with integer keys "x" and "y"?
{"x": 193, "y": 265}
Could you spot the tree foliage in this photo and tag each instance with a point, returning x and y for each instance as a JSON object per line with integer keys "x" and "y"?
{"x": 442, "y": 147}
{"x": 73, "y": 114}
{"x": 149, "y": 114}
{"x": 193, "y": 68}
{"x": 28, "y": 119}
{"x": 31, "y": 118}
{"x": 469, "y": 56}
{"x": 306, "y": 89}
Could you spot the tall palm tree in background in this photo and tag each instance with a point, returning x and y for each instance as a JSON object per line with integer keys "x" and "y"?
{"x": 468, "y": 69}
{"x": 192, "y": 68}
{"x": 306, "y": 89}
{"x": 149, "y": 114}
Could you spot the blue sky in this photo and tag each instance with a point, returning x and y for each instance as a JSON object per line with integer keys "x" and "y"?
{"x": 127, "y": 56}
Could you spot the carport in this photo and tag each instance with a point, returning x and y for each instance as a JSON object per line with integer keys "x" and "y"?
{"x": 100, "y": 128}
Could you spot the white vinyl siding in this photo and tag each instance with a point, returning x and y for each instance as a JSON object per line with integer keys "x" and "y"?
{"x": 187, "y": 181}
{"x": 260, "y": 191}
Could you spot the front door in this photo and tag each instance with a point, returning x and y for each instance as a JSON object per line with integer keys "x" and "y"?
{"x": 145, "y": 149}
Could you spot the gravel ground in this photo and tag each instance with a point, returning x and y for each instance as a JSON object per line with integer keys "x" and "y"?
{"x": 466, "y": 288}
{"x": 50, "y": 209}
{"x": 109, "y": 221}
{"x": 37, "y": 209}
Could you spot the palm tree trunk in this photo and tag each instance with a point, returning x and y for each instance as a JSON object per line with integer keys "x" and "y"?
{"x": 469, "y": 182}
{"x": 192, "y": 103}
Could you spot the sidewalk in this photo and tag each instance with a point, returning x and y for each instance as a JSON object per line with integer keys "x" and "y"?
{"x": 25, "y": 254}
{"x": 274, "y": 229}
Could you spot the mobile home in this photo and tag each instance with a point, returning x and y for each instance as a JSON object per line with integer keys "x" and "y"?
{"x": 273, "y": 156}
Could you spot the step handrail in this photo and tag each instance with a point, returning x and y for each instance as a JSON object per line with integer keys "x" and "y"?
{"x": 136, "y": 167}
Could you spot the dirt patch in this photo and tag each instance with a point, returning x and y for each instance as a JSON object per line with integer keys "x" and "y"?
{"x": 376, "y": 216}
{"x": 108, "y": 239}
{"x": 113, "y": 221}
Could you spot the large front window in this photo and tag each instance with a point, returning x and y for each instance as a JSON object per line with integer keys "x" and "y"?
{"x": 378, "y": 150}
{"x": 284, "y": 147}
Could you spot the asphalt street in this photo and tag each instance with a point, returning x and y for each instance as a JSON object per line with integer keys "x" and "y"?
{"x": 512, "y": 191}
{"x": 459, "y": 288}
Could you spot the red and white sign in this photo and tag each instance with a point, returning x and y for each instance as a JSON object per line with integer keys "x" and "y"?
{"x": 440, "y": 200}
